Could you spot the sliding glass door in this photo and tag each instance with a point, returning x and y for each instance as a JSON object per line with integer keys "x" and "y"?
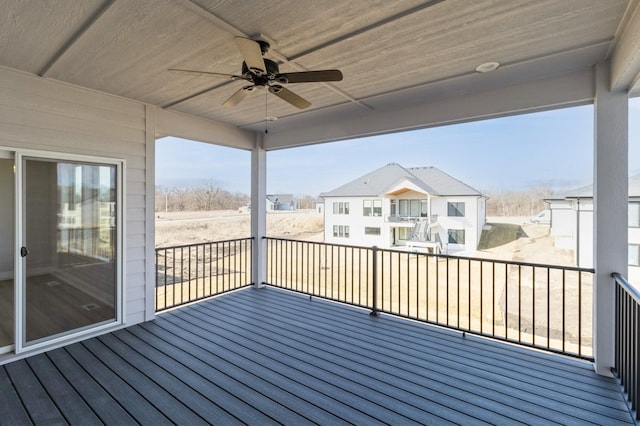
{"x": 68, "y": 247}
{"x": 7, "y": 251}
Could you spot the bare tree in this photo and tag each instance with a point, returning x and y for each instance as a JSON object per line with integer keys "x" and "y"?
{"x": 518, "y": 203}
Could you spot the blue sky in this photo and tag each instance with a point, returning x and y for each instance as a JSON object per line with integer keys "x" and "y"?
{"x": 551, "y": 148}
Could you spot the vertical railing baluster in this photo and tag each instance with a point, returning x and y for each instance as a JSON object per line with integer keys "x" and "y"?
{"x": 564, "y": 315}
{"x": 579, "y": 313}
{"x": 458, "y": 291}
{"x": 481, "y": 297}
{"x": 446, "y": 288}
{"x": 374, "y": 281}
{"x": 533, "y": 305}
{"x": 506, "y": 301}
{"x": 519, "y": 303}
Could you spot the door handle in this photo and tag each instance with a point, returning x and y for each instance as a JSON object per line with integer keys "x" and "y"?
{"x": 24, "y": 252}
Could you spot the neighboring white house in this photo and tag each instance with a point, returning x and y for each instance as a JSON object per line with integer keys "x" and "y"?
{"x": 419, "y": 207}
{"x": 572, "y": 225}
{"x": 281, "y": 202}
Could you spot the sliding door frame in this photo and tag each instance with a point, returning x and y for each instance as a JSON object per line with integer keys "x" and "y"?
{"x": 20, "y": 263}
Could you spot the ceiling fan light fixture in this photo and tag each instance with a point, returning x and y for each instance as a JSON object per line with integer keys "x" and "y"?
{"x": 487, "y": 67}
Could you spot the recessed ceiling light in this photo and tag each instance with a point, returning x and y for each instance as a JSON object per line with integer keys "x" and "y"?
{"x": 487, "y": 67}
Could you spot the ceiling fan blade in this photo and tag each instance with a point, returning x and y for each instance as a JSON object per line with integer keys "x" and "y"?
{"x": 288, "y": 96}
{"x": 309, "y": 76}
{"x": 252, "y": 54}
{"x": 237, "y": 97}
{"x": 206, "y": 74}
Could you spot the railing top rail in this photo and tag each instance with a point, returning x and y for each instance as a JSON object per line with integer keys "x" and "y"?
{"x": 622, "y": 281}
{"x": 475, "y": 259}
{"x": 204, "y": 243}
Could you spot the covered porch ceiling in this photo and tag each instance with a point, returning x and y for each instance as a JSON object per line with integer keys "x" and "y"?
{"x": 407, "y": 64}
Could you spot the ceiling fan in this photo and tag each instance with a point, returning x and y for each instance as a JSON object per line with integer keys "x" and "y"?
{"x": 264, "y": 73}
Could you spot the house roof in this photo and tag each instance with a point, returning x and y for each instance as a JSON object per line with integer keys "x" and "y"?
{"x": 587, "y": 191}
{"x": 380, "y": 181}
{"x": 281, "y": 198}
{"x": 402, "y": 61}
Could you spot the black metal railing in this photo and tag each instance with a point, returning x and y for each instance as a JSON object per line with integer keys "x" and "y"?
{"x": 627, "y": 341}
{"x": 192, "y": 272}
{"x": 543, "y": 306}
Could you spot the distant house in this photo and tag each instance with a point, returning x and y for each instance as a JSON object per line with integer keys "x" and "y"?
{"x": 572, "y": 225}
{"x": 281, "y": 202}
{"x": 419, "y": 207}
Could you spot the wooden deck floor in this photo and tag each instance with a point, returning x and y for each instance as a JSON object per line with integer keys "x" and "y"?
{"x": 271, "y": 357}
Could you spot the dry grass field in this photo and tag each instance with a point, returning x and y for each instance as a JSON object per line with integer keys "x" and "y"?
{"x": 177, "y": 228}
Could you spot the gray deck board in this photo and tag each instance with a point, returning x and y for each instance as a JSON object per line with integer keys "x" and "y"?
{"x": 273, "y": 357}
{"x": 12, "y": 409}
{"x": 40, "y": 407}
{"x": 70, "y": 404}
{"x": 517, "y": 404}
{"x": 415, "y": 364}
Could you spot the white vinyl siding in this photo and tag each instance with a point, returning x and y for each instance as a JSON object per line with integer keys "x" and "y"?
{"x": 634, "y": 214}
{"x": 41, "y": 114}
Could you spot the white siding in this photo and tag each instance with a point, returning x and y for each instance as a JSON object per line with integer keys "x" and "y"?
{"x": 469, "y": 222}
{"x": 356, "y": 222}
{"x": 41, "y": 114}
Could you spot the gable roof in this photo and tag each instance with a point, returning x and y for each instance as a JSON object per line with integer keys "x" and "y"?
{"x": 587, "y": 191}
{"x": 281, "y": 198}
{"x": 431, "y": 179}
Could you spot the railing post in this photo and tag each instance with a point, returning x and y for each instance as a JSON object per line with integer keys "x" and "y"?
{"x": 374, "y": 282}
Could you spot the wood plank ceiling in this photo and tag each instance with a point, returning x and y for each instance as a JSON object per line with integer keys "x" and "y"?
{"x": 124, "y": 47}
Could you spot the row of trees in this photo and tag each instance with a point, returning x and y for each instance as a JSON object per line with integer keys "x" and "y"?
{"x": 517, "y": 203}
{"x": 206, "y": 196}
{"x": 210, "y": 196}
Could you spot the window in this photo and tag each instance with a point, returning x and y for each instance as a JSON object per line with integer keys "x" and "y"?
{"x": 455, "y": 209}
{"x": 372, "y": 208}
{"x": 408, "y": 208}
{"x": 634, "y": 254}
{"x": 341, "y": 207}
{"x": 456, "y": 236}
{"x": 634, "y": 215}
{"x": 340, "y": 231}
{"x": 371, "y": 231}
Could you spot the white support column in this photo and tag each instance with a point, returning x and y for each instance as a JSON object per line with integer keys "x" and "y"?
{"x": 150, "y": 217}
{"x": 259, "y": 212}
{"x": 610, "y": 210}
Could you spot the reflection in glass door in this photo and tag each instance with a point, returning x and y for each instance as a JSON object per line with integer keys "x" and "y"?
{"x": 69, "y": 247}
{"x": 7, "y": 249}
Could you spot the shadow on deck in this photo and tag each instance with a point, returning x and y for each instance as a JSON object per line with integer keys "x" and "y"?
{"x": 273, "y": 357}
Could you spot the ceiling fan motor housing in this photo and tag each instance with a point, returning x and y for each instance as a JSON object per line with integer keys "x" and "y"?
{"x": 272, "y": 71}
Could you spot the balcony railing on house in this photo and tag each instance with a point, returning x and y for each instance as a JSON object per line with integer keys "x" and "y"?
{"x": 192, "y": 272}
{"x": 543, "y": 306}
{"x": 627, "y": 346}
